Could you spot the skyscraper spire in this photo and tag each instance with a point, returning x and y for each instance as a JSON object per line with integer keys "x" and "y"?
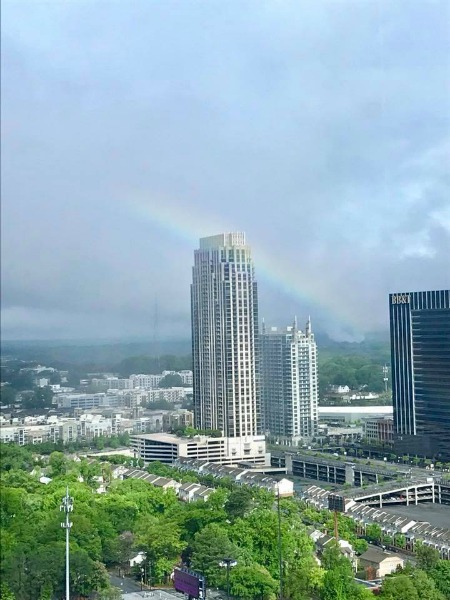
{"x": 295, "y": 323}
{"x": 308, "y": 326}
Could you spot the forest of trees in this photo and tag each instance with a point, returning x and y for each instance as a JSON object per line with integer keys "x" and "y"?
{"x": 358, "y": 372}
{"x": 234, "y": 522}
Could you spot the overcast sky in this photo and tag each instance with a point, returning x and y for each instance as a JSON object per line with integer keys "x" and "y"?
{"x": 132, "y": 128}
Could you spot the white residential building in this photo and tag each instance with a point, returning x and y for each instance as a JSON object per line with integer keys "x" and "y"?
{"x": 111, "y": 383}
{"x": 224, "y": 307}
{"x": 146, "y": 382}
{"x": 174, "y": 394}
{"x": 186, "y": 377}
{"x": 289, "y": 382}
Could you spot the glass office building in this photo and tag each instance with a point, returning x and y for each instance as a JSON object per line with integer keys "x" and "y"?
{"x": 420, "y": 357}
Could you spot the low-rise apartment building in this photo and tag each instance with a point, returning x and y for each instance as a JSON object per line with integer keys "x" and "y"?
{"x": 171, "y": 395}
{"x": 87, "y": 401}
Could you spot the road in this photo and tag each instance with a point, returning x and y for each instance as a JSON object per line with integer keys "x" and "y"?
{"x": 125, "y": 584}
{"x": 153, "y": 595}
{"x": 131, "y": 590}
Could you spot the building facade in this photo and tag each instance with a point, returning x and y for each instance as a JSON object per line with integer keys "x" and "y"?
{"x": 168, "y": 448}
{"x": 289, "y": 382}
{"x": 420, "y": 357}
{"x": 224, "y": 306}
{"x": 379, "y": 430}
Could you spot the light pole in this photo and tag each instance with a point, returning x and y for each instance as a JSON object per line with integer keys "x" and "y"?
{"x": 228, "y": 563}
{"x": 67, "y": 507}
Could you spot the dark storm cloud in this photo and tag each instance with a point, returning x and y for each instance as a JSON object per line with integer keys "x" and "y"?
{"x": 319, "y": 128}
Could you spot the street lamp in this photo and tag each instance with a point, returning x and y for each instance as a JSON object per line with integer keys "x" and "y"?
{"x": 67, "y": 507}
{"x": 228, "y": 563}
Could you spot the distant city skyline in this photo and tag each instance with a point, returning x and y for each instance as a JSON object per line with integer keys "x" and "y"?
{"x": 129, "y": 131}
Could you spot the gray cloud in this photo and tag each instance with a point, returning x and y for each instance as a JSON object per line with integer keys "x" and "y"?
{"x": 129, "y": 130}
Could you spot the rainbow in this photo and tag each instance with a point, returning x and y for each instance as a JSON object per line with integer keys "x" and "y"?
{"x": 189, "y": 225}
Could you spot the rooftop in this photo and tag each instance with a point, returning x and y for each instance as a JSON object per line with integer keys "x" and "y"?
{"x": 344, "y": 410}
{"x": 378, "y": 555}
{"x": 170, "y": 438}
{"x": 222, "y": 240}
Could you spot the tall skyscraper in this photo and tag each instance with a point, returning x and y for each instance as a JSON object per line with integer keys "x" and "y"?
{"x": 224, "y": 305}
{"x": 420, "y": 355}
{"x": 289, "y": 382}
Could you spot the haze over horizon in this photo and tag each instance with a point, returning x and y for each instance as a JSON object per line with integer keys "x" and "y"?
{"x": 130, "y": 130}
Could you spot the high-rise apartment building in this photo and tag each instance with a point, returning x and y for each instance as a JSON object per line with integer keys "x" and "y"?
{"x": 420, "y": 355}
{"x": 289, "y": 382}
{"x": 224, "y": 306}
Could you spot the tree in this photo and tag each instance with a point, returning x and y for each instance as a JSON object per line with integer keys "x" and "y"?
{"x": 119, "y": 511}
{"x": 303, "y": 580}
{"x": 239, "y": 502}
{"x": 15, "y": 458}
{"x": 99, "y": 442}
{"x": 5, "y": 592}
{"x": 171, "y": 380}
{"x": 333, "y": 558}
{"x": 46, "y": 592}
{"x": 211, "y": 545}
{"x": 338, "y": 584}
{"x": 86, "y": 535}
{"x": 427, "y": 558}
{"x": 162, "y": 544}
{"x": 441, "y": 576}
{"x": 126, "y": 547}
{"x": 374, "y": 532}
{"x": 86, "y": 575}
{"x": 159, "y": 468}
{"x": 58, "y": 464}
{"x": 40, "y": 399}
{"x": 7, "y": 395}
{"x": 252, "y": 582}
{"x": 399, "y": 587}
{"x": 425, "y": 586}
{"x": 360, "y": 546}
{"x": 89, "y": 472}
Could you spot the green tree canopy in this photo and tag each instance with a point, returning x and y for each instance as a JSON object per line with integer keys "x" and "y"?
{"x": 211, "y": 545}
{"x": 400, "y": 587}
{"x": 252, "y": 582}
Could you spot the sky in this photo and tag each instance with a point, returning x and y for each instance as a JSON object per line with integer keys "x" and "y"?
{"x": 130, "y": 129}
